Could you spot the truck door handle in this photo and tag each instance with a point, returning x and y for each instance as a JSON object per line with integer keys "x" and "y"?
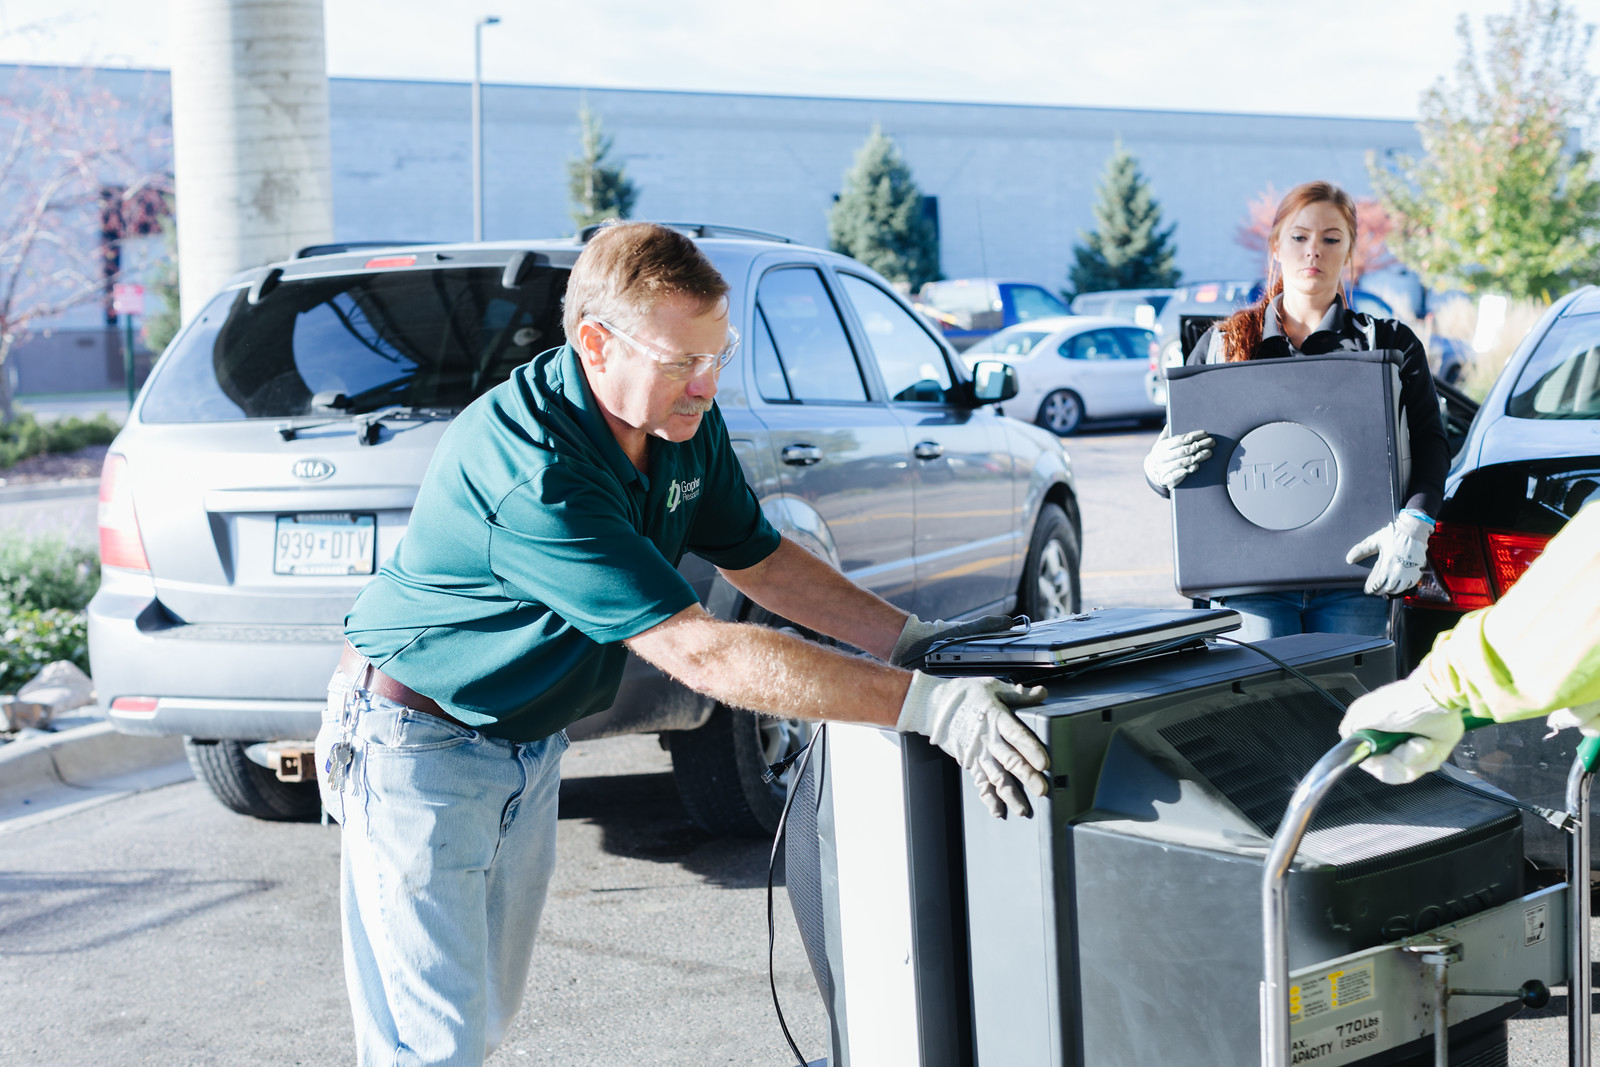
{"x": 802, "y": 455}
{"x": 927, "y": 450}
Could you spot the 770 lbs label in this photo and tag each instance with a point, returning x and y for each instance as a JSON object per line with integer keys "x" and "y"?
{"x": 1351, "y": 1034}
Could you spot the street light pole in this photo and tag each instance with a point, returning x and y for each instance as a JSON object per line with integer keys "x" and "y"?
{"x": 477, "y": 123}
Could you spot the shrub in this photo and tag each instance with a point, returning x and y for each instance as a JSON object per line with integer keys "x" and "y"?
{"x": 31, "y": 640}
{"x": 46, "y": 573}
{"x": 45, "y": 583}
{"x": 26, "y": 436}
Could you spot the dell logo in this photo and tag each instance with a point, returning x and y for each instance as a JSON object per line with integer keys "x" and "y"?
{"x": 312, "y": 470}
{"x": 1282, "y": 476}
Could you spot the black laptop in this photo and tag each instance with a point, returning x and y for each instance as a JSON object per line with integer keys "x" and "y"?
{"x": 1089, "y": 635}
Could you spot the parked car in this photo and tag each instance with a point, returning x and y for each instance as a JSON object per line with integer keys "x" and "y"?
{"x": 271, "y": 462}
{"x": 967, "y": 310}
{"x": 1530, "y": 460}
{"x": 1073, "y": 369}
{"x": 1138, "y": 306}
{"x": 1193, "y": 308}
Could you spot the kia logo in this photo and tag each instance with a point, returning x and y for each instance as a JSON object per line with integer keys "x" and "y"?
{"x": 313, "y": 470}
{"x": 1282, "y": 476}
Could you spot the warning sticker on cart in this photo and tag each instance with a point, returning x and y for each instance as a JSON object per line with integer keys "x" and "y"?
{"x": 1361, "y": 1033}
{"x": 1535, "y": 921}
{"x": 1322, "y": 993}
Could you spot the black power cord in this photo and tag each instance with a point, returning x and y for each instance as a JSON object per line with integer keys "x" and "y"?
{"x": 774, "y": 771}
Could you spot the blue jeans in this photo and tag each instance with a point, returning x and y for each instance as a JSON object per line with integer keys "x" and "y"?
{"x": 1308, "y": 611}
{"x": 448, "y": 846}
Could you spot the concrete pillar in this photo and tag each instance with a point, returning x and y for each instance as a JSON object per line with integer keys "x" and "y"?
{"x": 250, "y": 136}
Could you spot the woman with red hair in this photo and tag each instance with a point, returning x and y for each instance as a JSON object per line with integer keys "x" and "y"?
{"x": 1305, "y": 311}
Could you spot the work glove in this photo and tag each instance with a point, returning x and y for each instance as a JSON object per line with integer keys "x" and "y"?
{"x": 1172, "y": 459}
{"x": 1404, "y": 707}
{"x": 919, "y": 636}
{"x": 1586, "y": 717}
{"x": 1401, "y": 548}
{"x": 971, "y": 719}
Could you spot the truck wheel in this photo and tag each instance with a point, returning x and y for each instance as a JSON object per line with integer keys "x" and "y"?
{"x": 247, "y": 787}
{"x": 1050, "y": 587}
{"x": 718, "y": 767}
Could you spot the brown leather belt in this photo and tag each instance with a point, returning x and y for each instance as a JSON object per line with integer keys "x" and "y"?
{"x": 363, "y": 675}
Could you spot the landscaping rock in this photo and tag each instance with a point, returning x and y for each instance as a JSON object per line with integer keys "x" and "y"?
{"x": 58, "y": 688}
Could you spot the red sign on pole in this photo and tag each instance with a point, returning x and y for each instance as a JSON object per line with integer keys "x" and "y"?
{"x": 127, "y": 299}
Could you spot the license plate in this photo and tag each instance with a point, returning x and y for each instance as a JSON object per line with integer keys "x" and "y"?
{"x": 325, "y": 543}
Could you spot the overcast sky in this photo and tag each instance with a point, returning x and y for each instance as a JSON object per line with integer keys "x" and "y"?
{"x": 1337, "y": 57}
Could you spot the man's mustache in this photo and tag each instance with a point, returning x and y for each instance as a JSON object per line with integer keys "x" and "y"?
{"x": 692, "y": 406}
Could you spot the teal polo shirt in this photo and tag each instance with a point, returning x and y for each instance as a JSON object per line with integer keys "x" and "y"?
{"x": 536, "y": 547}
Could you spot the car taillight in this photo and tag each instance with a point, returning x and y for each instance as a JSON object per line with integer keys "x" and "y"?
{"x": 134, "y": 705}
{"x": 1470, "y": 567}
{"x": 1456, "y": 576}
{"x": 1510, "y": 554}
{"x": 120, "y": 543}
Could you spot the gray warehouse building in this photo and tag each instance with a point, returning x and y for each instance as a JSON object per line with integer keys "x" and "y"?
{"x": 1013, "y": 185}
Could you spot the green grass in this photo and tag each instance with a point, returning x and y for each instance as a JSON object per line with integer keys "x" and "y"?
{"x": 26, "y": 436}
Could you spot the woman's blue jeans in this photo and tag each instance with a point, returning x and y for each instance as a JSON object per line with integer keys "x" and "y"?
{"x": 1308, "y": 611}
{"x": 449, "y": 842}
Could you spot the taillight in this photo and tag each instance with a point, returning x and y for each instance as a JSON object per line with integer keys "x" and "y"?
{"x": 1456, "y": 576}
{"x": 1510, "y": 554}
{"x": 120, "y": 543}
{"x": 391, "y": 261}
{"x": 1470, "y": 568}
{"x": 134, "y": 705}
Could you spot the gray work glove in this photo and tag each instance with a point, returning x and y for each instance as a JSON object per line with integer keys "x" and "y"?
{"x": 1404, "y": 707}
{"x": 1401, "y": 548}
{"x": 971, "y": 719}
{"x": 918, "y": 636}
{"x": 1172, "y": 459}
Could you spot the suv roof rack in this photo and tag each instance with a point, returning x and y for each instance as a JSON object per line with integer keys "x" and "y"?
{"x": 353, "y": 246}
{"x": 697, "y": 229}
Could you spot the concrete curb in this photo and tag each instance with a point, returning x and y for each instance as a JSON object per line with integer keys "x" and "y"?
{"x": 66, "y": 487}
{"x": 83, "y": 757}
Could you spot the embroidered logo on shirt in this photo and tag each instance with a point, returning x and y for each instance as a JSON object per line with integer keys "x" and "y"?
{"x": 681, "y": 492}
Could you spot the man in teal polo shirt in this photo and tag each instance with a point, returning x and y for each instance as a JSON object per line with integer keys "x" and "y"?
{"x": 544, "y": 543}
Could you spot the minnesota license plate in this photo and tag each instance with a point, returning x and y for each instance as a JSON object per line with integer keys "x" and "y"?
{"x": 325, "y": 543}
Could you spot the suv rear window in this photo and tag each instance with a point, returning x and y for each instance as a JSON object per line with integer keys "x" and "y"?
{"x": 1561, "y": 379}
{"x": 416, "y": 338}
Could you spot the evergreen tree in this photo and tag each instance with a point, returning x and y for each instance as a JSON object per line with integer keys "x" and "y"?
{"x": 598, "y": 190}
{"x": 1504, "y": 198}
{"x": 878, "y": 217}
{"x": 1129, "y": 249}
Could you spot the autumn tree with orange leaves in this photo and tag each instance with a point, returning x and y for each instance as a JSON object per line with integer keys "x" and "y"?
{"x": 1373, "y": 226}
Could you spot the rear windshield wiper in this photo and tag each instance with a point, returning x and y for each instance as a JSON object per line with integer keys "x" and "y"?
{"x": 366, "y": 424}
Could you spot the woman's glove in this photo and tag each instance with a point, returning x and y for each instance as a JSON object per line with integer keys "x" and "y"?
{"x": 919, "y": 636}
{"x": 1404, "y": 707}
{"x": 971, "y": 719}
{"x": 1172, "y": 459}
{"x": 1401, "y": 548}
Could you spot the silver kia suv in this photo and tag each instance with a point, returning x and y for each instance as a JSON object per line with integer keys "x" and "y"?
{"x": 271, "y": 462}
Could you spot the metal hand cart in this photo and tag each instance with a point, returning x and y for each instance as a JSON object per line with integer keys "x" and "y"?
{"x": 1345, "y": 1010}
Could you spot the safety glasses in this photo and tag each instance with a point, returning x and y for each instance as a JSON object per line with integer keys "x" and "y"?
{"x": 679, "y": 366}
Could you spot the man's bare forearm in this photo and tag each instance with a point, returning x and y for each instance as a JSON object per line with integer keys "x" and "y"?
{"x": 755, "y": 667}
{"x": 807, "y": 590}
